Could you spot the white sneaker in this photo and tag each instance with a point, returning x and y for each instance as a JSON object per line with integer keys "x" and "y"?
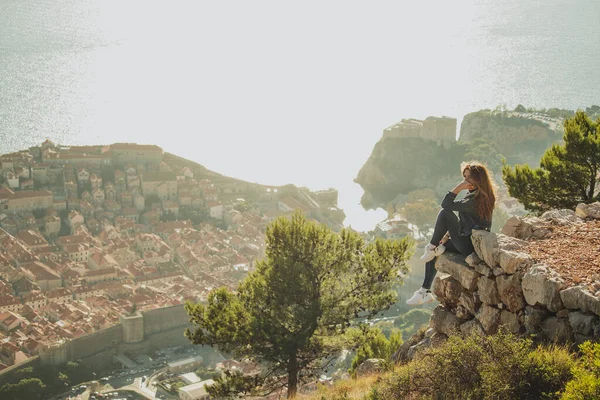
{"x": 432, "y": 252}
{"x": 421, "y": 296}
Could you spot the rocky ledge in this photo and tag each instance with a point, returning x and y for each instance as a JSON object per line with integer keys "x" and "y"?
{"x": 531, "y": 279}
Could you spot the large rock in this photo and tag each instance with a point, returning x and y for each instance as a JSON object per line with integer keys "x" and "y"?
{"x": 562, "y": 217}
{"x": 588, "y": 210}
{"x": 473, "y": 259}
{"x": 527, "y": 227}
{"x": 577, "y": 297}
{"x": 557, "y": 330}
{"x": 510, "y": 292}
{"x": 533, "y": 318}
{"x": 447, "y": 289}
{"x": 542, "y": 286}
{"x": 370, "y": 366}
{"x": 486, "y": 246}
{"x": 442, "y": 320}
{"x": 472, "y": 327}
{"x": 513, "y": 261}
{"x": 511, "y": 243}
{"x": 470, "y": 301}
{"x": 456, "y": 266}
{"x": 489, "y": 317}
{"x": 488, "y": 291}
{"x": 510, "y": 321}
{"x": 583, "y": 323}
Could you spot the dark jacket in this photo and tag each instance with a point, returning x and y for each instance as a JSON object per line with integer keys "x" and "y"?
{"x": 467, "y": 213}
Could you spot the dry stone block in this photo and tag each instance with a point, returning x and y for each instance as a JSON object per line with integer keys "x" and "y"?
{"x": 533, "y": 319}
{"x": 583, "y": 323}
{"x": 511, "y": 244}
{"x": 542, "y": 286}
{"x": 472, "y": 259}
{"x": 588, "y": 210}
{"x": 510, "y": 321}
{"x": 462, "y": 313}
{"x": 444, "y": 321}
{"x": 557, "y": 330}
{"x": 447, "y": 289}
{"x": 472, "y": 327}
{"x": 489, "y": 317}
{"x": 525, "y": 228}
{"x": 486, "y": 246}
{"x": 484, "y": 270}
{"x": 510, "y": 292}
{"x": 577, "y": 297}
{"x": 562, "y": 217}
{"x": 512, "y": 261}
{"x": 511, "y": 227}
{"x": 455, "y": 265}
{"x": 470, "y": 301}
{"x": 488, "y": 291}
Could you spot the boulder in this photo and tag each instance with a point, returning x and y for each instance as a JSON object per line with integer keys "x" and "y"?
{"x": 488, "y": 291}
{"x": 489, "y": 317}
{"x": 370, "y": 366}
{"x": 557, "y": 330}
{"x": 562, "y": 217}
{"x": 461, "y": 312}
{"x": 484, "y": 270}
{"x": 510, "y": 321}
{"x": 583, "y": 323}
{"x": 422, "y": 345}
{"x": 511, "y": 227}
{"x": 510, "y": 291}
{"x": 588, "y": 210}
{"x": 542, "y": 286}
{"x": 444, "y": 321}
{"x": 527, "y": 227}
{"x": 486, "y": 246}
{"x": 472, "y": 259}
{"x": 511, "y": 244}
{"x": 577, "y": 297}
{"x": 447, "y": 289}
{"x": 470, "y": 301}
{"x": 472, "y": 327}
{"x": 513, "y": 261}
{"x": 455, "y": 265}
{"x": 533, "y": 319}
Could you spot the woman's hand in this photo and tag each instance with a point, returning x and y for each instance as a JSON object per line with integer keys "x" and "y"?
{"x": 464, "y": 185}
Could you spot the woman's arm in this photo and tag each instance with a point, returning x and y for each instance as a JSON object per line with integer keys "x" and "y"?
{"x": 463, "y": 205}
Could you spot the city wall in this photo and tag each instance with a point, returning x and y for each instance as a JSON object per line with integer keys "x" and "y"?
{"x": 161, "y": 328}
{"x": 163, "y": 319}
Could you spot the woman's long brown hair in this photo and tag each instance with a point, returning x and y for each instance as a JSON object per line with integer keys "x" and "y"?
{"x": 480, "y": 177}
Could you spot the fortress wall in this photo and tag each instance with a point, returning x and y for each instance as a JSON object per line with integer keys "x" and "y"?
{"x": 8, "y": 375}
{"x": 173, "y": 337}
{"x": 94, "y": 343}
{"x": 165, "y": 319}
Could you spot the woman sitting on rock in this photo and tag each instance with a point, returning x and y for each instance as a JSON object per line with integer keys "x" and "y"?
{"x": 453, "y": 233}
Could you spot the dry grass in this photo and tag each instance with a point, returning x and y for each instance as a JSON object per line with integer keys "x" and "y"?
{"x": 356, "y": 389}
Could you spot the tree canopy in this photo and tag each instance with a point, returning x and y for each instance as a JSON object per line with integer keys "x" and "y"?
{"x": 310, "y": 287}
{"x": 568, "y": 172}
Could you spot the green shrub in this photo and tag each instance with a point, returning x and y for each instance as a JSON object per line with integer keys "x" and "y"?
{"x": 376, "y": 345}
{"x": 586, "y": 375}
{"x": 501, "y": 366}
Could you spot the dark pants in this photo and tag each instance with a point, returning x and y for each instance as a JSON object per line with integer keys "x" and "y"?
{"x": 446, "y": 221}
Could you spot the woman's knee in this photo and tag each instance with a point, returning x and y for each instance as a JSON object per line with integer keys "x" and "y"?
{"x": 445, "y": 213}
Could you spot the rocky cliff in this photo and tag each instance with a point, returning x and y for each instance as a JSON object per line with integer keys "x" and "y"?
{"x": 528, "y": 280}
{"x": 400, "y": 164}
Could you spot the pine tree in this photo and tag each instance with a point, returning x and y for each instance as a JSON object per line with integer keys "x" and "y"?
{"x": 568, "y": 172}
{"x": 309, "y": 288}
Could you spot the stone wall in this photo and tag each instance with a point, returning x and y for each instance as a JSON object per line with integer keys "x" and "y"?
{"x": 162, "y": 319}
{"x": 500, "y": 286}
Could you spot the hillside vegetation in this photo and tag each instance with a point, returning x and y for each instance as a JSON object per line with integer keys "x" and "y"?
{"x": 500, "y": 366}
